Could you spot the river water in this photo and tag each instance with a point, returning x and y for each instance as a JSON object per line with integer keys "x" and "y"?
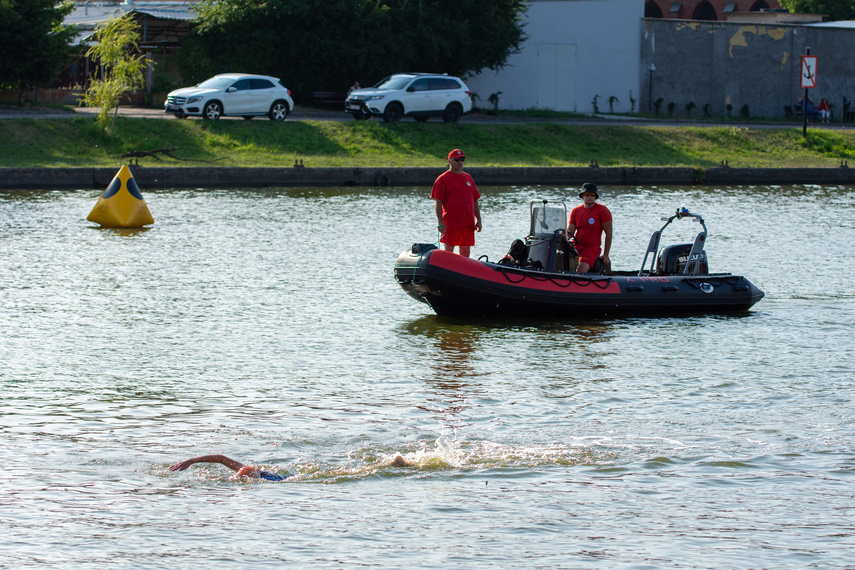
{"x": 266, "y": 325}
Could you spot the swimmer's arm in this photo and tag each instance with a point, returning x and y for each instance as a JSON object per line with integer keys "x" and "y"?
{"x": 227, "y": 461}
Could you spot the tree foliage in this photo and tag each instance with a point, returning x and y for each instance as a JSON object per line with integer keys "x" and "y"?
{"x": 318, "y": 45}
{"x": 34, "y": 45}
{"x": 122, "y": 66}
{"x": 835, "y": 9}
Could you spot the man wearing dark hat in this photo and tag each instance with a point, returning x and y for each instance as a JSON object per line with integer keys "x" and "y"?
{"x": 458, "y": 215}
{"x": 588, "y": 222}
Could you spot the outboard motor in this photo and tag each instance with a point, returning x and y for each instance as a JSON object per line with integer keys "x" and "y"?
{"x": 547, "y": 243}
{"x": 673, "y": 259}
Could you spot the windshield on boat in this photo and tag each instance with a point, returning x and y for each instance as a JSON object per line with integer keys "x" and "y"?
{"x": 546, "y": 217}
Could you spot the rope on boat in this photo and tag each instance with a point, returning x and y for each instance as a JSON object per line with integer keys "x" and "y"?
{"x": 696, "y": 282}
{"x": 582, "y": 281}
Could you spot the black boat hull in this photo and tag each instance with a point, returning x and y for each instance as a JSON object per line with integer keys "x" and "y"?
{"x": 456, "y": 285}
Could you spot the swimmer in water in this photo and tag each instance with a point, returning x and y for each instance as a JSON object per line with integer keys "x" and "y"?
{"x": 239, "y": 468}
{"x": 249, "y": 471}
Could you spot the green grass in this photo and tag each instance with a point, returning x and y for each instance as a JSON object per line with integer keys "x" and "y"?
{"x": 78, "y": 142}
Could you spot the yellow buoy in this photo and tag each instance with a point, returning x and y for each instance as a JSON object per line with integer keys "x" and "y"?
{"x": 121, "y": 205}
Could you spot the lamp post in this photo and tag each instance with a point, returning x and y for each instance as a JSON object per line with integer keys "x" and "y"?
{"x": 652, "y": 68}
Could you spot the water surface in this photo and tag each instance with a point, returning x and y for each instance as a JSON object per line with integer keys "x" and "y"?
{"x": 266, "y": 325}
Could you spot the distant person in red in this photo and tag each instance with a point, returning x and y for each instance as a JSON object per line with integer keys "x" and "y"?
{"x": 824, "y": 110}
{"x": 458, "y": 215}
{"x": 588, "y": 222}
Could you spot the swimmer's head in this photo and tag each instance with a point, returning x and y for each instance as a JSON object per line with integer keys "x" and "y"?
{"x": 248, "y": 471}
{"x": 399, "y": 461}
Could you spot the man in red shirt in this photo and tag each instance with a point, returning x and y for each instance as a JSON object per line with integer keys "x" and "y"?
{"x": 588, "y": 222}
{"x": 458, "y": 215}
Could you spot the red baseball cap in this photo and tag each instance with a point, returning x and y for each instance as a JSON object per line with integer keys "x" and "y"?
{"x": 456, "y": 153}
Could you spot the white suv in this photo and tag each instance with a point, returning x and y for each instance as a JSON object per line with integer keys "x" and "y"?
{"x": 417, "y": 95}
{"x": 232, "y": 94}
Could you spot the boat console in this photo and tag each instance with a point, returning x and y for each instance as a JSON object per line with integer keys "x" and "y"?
{"x": 546, "y": 244}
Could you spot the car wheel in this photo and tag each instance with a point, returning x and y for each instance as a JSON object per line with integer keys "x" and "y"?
{"x": 422, "y": 119}
{"x": 361, "y": 116}
{"x": 180, "y": 116}
{"x": 247, "y": 117}
{"x": 452, "y": 113}
{"x": 393, "y": 112}
{"x": 213, "y": 111}
{"x": 278, "y": 111}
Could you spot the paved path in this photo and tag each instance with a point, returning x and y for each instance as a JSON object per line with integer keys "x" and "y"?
{"x": 311, "y": 114}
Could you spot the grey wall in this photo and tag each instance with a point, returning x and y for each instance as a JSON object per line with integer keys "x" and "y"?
{"x": 743, "y": 64}
{"x": 576, "y": 49}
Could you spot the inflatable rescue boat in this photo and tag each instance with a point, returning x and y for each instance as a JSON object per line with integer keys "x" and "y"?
{"x": 537, "y": 277}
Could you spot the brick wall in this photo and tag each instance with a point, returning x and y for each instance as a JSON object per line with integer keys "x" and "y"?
{"x": 686, "y": 10}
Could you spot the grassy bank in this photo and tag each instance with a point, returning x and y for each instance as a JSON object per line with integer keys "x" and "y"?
{"x": 79, "y": 142}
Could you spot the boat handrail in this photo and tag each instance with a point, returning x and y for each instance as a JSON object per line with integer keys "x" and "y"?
{"x": 694, "y": 253}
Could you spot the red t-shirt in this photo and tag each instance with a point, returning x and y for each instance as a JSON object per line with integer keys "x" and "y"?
{"x": 589, "y": 223}
{"x": 458, "y": 194}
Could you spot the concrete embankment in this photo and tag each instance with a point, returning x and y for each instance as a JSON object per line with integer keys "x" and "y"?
{"x": 214, "y": 177}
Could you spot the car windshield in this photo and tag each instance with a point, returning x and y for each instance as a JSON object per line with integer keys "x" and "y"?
{"x": 216, "y": 83}
{"x": 394, "y": 82}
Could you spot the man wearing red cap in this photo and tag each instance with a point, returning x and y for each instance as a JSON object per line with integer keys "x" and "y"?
{"x": 589, "y": 221}
{"x": 458, "y": 215}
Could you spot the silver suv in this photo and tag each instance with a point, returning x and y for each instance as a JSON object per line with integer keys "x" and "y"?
{"x": 417, "y": 95}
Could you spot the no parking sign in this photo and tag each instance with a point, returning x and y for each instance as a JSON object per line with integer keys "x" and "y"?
{"x": 808, "y": 71}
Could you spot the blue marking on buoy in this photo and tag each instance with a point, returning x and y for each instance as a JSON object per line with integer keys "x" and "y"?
{"x": 113, "y": 188}
{"x": 134, "y": 189}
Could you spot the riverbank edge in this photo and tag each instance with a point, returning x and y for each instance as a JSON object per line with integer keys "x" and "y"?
{"x": 244, "y": 177}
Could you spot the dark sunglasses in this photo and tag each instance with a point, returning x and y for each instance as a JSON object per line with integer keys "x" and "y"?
{"x": 461, "y": 159}
{"x": 588, "y": 194}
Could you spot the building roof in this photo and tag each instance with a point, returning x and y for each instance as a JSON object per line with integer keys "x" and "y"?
{"x": 850, "y": 24}
{"x": 161, "y": 23}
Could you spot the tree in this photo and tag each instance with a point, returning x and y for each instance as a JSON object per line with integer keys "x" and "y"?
{"x": 315, "y": 45}
{"x": 34, "y": 45}
{"x": 835, "y": 9}
{"x": 122, "y": 67}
